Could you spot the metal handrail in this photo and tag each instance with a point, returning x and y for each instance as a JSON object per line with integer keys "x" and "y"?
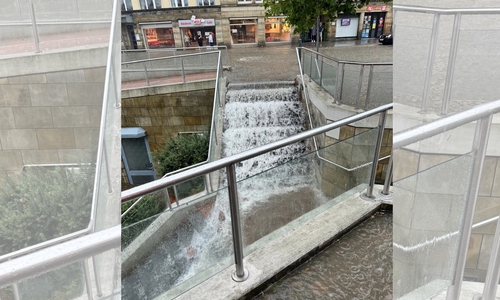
{"x": 446, "y": 11}
{"x": 241, "y": 273}
{"x": 169, "y": 57}
{"x": 212, "y": 132}
{"x": 307, "y": 100}
{"x": 337, "y": 94}
{"x": 412, "y": 135}
{"x": 227, "y": 161}
{"x": 483, "y": 115}
{"x": 59, "y": 255}
{"x": 458, "y": 12}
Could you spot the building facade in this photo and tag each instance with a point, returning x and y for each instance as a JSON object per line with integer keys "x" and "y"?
{"x": 152, "y": 24}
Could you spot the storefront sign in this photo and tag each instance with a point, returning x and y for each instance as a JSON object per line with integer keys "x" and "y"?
{"x": 196, "y": 22}
{"x": 369, "y": 8}
{"x": 383, "y": 7}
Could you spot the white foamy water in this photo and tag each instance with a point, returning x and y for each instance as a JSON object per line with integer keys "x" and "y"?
{"x": 252, "y": 118}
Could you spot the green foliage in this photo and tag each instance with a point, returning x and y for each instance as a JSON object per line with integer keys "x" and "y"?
{"x": 183, "y": 151}
{"x": 45, "y": 204}
{"x": 140, "y": 216}
{"x": 303, "y": 13}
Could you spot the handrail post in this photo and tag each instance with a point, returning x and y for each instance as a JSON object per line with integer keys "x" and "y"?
{"x": 341, "y": 67}
{"x": 479, "y": 147}
{"x": 97, "y": 277}
{"x": 430, "y": 63}
{"x": 381, "y": 126}
{"x": 183, "y": 71}
{"x": 146, "y": 73}
{"x": 167, "y": 196}
{"x": 33, "y": 25}
{"x": 451, "y": 63}
{"x": 240, "y": 274}
{"x": 369, "y": 88}
{"x": 310, "y": 68}
{"x": 360, "y": 85}
{"x": 388, "y": 177}
{"x": 88, "y": 286}
{"x": 321, "y": 74}
{"x": 493, "y": 273}
{"x": 15, "y": 288}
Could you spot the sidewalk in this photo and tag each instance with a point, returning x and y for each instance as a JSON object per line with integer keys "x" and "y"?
{"x": 278, "y": 63}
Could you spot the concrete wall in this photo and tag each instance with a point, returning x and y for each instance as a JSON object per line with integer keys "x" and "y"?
{"x": 49, "y": 118}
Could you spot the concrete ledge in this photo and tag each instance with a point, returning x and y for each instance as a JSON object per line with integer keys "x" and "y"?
{"x": 54, "y": 61}
{"x": 278, "y": 257}
{"x": 169, "y": 89}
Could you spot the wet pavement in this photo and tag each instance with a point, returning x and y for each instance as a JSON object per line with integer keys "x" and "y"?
{"x": 276, "y": 63}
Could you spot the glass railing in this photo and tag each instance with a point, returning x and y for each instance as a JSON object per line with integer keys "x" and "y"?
{"x": 440, "y": 66}
{"x": 195, "y": 245}
{"x": 86, "y": 187}
{"x": 358, "y": 84}
{"x": 170, "y": 70}
{"x": 143, "y": 54}
{"x": 37, "y": 25}
{"x": 208, "y": 226}
{"x": 302, "y": 188}
{"x": 427, "y": 227}
{"x": 435, "y": 217}
{"x": 195, "y": 187}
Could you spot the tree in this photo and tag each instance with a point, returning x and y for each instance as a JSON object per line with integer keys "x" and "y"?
{"x": 303, "y": 14}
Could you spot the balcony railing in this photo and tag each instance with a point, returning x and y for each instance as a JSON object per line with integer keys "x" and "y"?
{"x": 361, "y": 85}
{"x": 439, "y": 249}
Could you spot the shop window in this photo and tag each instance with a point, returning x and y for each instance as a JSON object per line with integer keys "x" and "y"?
{"x": 159, "y": 37}
{"x": 179, "y": 3}
{"x": 243, "y": 31}
{"x": 127, "y": 5}
{"x": 249, "y": 1}
{"x": 206, "y": 2}
{"x": 277, "y": 30}
{"x": 150, "y": 4}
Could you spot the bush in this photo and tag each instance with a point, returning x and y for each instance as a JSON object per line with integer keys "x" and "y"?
{"x": 43, "y": 205}
{"x": 183, "y": 151}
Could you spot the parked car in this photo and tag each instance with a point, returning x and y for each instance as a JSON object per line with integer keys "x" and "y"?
{"x": 386, "y": 39}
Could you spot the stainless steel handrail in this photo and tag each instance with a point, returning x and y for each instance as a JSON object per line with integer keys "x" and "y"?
{"x": 483, "y": 115}
{"x": 59, "y": 255}
{"x": 307, "y": 100}
{"x": 337, "y": 93}
{"x": 241, "y": 273}
{"x": 458, "y": 12}
{"x": 212, "y": 133}
{"x": 169, "y": 57}
{"x": 227, "y": 161}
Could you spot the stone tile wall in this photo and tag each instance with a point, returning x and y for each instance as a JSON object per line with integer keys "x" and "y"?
{"x": 49, "y": 118}
{"x": 165, "y": 115}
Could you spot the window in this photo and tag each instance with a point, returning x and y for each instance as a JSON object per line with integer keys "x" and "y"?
{"x": 249, "y": 1}
{"x": 243, "y": 31}
{"x": 277, "y": 30}
{"x": 150, "y": 4}
{"x": 179, "y": 3}
{"x": 127, "y": 5}
{"x": 158, "y": 35}
{"x": 205, "y": 2}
